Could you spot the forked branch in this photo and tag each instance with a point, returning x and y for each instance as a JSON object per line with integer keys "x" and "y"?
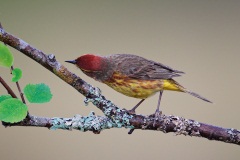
{"x": 114, "y": 116}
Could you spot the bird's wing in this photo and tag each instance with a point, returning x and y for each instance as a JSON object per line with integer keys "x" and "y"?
{"x": 141, "y": 68}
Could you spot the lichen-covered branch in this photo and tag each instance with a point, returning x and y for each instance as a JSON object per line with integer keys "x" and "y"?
{"x": 96, "y": 124}
{"x": 115, "y": 117}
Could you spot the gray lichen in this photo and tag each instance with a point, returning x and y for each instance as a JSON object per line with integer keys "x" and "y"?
{"x": 185, "y": 126}
{"x": 120, "y": 117}
{"x": 1, "y": 31}
{"x": 22, "y": 44}
{"x": 234, "y": 135}
{"x": 83, "y": 123}
{"x": 90, "y": 122}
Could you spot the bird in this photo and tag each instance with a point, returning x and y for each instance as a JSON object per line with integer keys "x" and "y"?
{"x": 132, "y": 75}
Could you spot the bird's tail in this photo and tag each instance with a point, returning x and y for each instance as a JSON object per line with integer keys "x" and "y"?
{"x": 182, "y": 89}
{"x": 197, "y": 95}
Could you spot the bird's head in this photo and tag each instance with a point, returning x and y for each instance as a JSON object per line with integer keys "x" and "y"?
{"x": 89, "y": 62}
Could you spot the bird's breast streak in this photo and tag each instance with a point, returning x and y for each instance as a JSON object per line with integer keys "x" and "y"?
{"x": 133, "y": 87}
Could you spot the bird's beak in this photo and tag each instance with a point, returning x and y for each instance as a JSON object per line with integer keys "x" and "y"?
{"x": 73, "y": 61}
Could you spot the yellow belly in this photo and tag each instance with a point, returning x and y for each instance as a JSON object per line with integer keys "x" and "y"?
{"x": 139, "y": 88}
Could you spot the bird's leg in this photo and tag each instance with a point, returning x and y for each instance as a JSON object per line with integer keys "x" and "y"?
{"x": 158, "y": 112}
{"x": 132, "y": 111}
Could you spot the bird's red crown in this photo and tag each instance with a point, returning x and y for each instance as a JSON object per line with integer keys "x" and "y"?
{"x": 89, "y": 62}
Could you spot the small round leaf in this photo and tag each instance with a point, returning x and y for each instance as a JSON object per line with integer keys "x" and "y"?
{"x": 12, "y": 110}
{"x": 38, "y": 93}
{"x": 16, "y": 74}
{"x": 6, "y": 57}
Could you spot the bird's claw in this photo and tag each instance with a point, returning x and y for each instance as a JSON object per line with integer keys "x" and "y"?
{"x": 130, "y": 131}
{"x": 157, "y": 117}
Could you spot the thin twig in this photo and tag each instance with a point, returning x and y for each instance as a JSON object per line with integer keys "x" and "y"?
{"x": 18, "y": 86}
{"x": 19, "y": 89}
{"x": 6, "y": 86}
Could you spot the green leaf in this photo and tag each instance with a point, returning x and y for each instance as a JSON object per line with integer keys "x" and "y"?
{"x": 6, "y": 57}
{"x": 12, "y": 110}
{"x": 17, "y": 74}
{"x": 4, "y": 97}
{"x": 38, "y": 93}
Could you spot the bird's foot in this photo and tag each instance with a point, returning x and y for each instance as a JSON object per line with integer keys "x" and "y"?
{"x": 131, "y": 111}
{"x": 157, "y": 117}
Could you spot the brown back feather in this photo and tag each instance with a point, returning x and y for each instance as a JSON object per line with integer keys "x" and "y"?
{"x": 140, "y": 68}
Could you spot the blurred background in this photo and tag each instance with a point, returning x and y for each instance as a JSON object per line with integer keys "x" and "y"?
{"x": 201, "y": 38}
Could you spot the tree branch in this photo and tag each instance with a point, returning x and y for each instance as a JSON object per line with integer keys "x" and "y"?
{"x": 115, "y": 117}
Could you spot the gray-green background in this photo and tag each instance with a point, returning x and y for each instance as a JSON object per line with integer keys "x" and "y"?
{"x": 201, "y": 38}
